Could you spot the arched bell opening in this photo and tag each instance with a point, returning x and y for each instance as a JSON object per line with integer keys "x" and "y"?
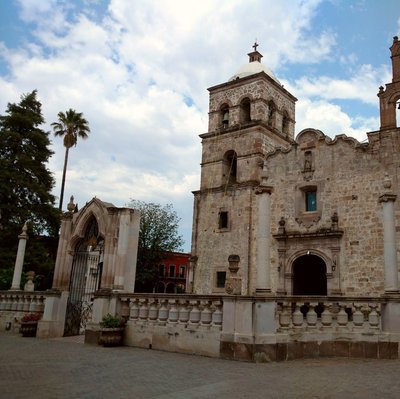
{"x": 309, "y": 276}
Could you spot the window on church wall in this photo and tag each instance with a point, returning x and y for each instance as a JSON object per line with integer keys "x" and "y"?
{"x": 311, "y": 201}
{"x": 223, "y": 220}
{"x": 220, "y": 280}
{"x": 230, "y": 167}
{"x": 245, "y": 113}
{"x": 271, "y": 113}
{"x": 285, "y": 123}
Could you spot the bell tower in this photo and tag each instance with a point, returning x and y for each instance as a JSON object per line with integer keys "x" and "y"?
{"x": 390, "y": 96}
{"x": 249, "y": 115}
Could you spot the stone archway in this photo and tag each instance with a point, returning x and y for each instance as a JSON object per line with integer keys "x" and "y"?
{"x": 309, "y": 276}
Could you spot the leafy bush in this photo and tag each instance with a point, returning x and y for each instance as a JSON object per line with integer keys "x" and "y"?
{"x": 110, "y": 321}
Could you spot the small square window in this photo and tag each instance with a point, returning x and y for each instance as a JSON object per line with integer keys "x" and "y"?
{"x": 221, "y": 277}
{"x": 311, "y": 201}
{"x": 223, "y": 220}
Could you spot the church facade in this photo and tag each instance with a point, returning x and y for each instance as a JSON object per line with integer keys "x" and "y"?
{"x": 285, "y": 215}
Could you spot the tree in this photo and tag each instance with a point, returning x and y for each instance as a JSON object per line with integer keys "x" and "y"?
{"x": 158, "y": 234}
{"x": 25, "y": 181}
{"x": 70, "y": 125}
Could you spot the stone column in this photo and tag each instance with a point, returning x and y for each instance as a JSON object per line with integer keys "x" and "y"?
{"x": 19, "y": 261}
{"x": 263, "y": 237}
{"x": 389, "y": 239}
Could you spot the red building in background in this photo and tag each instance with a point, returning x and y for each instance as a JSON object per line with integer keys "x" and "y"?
{"x": 173, "y": 272}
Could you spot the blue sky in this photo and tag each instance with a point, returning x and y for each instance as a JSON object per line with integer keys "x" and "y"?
{"x": 139, "y": 72}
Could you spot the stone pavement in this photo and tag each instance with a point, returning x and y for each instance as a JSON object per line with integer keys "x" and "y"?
{"x": 66, "y": 368}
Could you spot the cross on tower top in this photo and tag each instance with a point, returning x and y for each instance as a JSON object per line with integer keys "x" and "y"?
{"x": 255, "y": 55}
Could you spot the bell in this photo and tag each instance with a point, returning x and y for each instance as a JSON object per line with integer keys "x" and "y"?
{"x": 225, "y": 118}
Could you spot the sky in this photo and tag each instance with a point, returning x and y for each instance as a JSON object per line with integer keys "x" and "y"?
{"x": 139, "y": 72}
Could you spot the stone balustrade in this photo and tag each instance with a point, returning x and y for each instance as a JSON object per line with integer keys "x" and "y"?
{"x": 182, "y": 310}
{"x": 338, "y": 315}
{"x": 14, "y": 304}
{"x": 21, "y": 301}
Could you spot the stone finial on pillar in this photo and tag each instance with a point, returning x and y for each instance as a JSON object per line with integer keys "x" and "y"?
{"x": 389, "y": 238}
{"x": 29, "y": 285}
{"x": 233, "y": 285}
{"x": 19, "y": 261}
{"x": 71, "y": 206}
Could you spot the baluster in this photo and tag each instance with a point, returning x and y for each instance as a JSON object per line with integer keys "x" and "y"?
{"x": 173, "y": 312}
{"x": 284, "y": 316}
{"x": 342, "y": 317}
{"x": 20, "y": 303}
{"x": 41, "y": 301}
{"x": 143, "y": 309}
{"x": 194, "y": 315}
{"x": 297, "y": 317}
{"x": 358, "y": 317}
{"x": 26, "y": 304}
{"x": 8, "y": 303}
{"x": 206, "y": 314}
{"x": 311, "y": 316}
{"x": 183, "y": 312}
{"x": 14, "y": 302}
{"x": 216, "y": 318}
{"x": 153, "y": 310}
{"x": 134, "y": 309}
{"x": 326, "y": 317}
{"x": 33, "y": 304}
{"x": 2, "y": 302}
{"x": 373, "y": 317}
{"x": 163, "y": 312}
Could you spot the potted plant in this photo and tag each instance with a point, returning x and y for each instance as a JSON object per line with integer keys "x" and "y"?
{"x": 111, "y": 330}
{"x": 29, "y": 324}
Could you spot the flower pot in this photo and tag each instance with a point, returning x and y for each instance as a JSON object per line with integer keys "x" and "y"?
{"x": 28, "y": 328}
{"x": 111, "y": 336}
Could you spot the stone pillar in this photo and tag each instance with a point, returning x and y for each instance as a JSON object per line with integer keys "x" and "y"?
{"x": 389, "y": 243}
{"x": 60, "y": 279}
{"x": 389, "y": 239}
{"x": 19, "y": 261}
{"x": 263, "y": 237}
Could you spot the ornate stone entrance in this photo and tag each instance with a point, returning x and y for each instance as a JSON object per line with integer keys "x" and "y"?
{"x": 309, "y": 276}
{"x": 85, "y": 279}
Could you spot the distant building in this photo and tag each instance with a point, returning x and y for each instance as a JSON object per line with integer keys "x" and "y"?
{"x": 173, "y": 273}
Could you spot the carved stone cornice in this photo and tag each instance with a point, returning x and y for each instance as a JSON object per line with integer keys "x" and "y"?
{"x": 264, "y": 190}
{"x": 317, "y": 234}
{"x": 387, "y": 197}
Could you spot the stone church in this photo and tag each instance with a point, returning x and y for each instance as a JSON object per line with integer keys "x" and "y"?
{"x": 294, "y": 215}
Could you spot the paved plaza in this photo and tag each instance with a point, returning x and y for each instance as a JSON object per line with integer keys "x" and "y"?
{"x": 67, "y": 368}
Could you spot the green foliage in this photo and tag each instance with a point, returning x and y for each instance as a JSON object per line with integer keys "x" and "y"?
{"x": 158, "y": 234}
{"x": 110, "y": 321}
{"x": 25, "y": 181}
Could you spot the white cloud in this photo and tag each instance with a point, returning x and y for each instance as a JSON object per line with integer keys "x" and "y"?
{"x": 331, "y": 120}
{"x": 363, "y": 85}
{"x": 140, "y": 74}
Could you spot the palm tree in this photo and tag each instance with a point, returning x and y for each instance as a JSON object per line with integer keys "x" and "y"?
{"x": 70, "y": 125}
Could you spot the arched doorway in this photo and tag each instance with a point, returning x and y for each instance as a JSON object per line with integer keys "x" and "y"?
{"x": 85, "y": 279}
{"x": 309, "y": 276}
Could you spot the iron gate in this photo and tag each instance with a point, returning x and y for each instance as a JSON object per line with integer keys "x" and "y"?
{"x": 85, "y": 280}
